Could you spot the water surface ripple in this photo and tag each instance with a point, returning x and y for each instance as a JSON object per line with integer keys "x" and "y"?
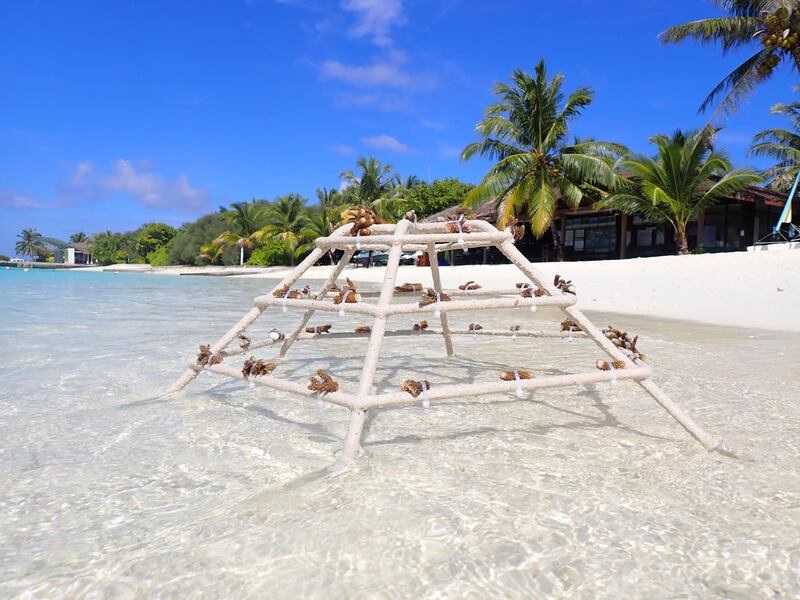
{"x": 109, "y": 491}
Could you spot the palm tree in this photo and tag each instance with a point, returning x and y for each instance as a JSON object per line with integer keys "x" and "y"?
{"x": 525, "y": 132}
{"x": 318, "y": 223}
{"x": 211, "y": 252}
{"x": 77, "y": 238}
{"x": 328, "y": 198}
{"x": 246, "y": 220}
{"x": 371, "y": 181}
{"x": 30, "y": 243}
{"x": 410, "y": 182}
{"x": 783, "y": 145}
{"x": 686, "y": 176}
{"x": 285, "y": 219}
{"x": 772, "y": 24}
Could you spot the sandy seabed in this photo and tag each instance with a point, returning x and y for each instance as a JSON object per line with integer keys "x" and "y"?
{"x": 109, "y": 490}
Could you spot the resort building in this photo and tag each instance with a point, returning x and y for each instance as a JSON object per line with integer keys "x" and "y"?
{"x": 591, "y": 234}
{"x": 78, "y": 254}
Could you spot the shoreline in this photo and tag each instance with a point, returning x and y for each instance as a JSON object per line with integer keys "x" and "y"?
{"x": 758, "y": 290}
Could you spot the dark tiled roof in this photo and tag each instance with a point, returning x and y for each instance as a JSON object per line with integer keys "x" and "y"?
{"x": 488, "y": 212}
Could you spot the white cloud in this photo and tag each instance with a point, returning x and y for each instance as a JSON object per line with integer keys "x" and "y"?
{"x": 375, "y": 18}
{"x": 11, "y": 199}
{"x": 388, "y": 101}
{"x": 146, "y": 186}
{"x": 342, "y": 149}
{"x": 449, "y": 150}
{"x": 379, "y": 74}
{"x": 430, "y": 124}
{"x": 385, "y": 142}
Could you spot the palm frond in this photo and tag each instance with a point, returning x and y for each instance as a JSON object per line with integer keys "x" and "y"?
{"x": 730, "y": 32}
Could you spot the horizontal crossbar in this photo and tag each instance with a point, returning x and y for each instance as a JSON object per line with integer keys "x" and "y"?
{"x": 363, "y": 308}
{"x": 370, "y": 242}
{"x": 443, "y": 392}
{"x": 284, "y": 385}
{"x": 338, "y": 335}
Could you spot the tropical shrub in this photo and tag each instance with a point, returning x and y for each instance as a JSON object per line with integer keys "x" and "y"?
{"x": 274, "y": 252}
{"x": 186, "y": 246}
{"x": 159, "y": 257}
{"x": 150, "y": 237}
{"x": 428, "y": 198}
{"x": 106, "y": 247}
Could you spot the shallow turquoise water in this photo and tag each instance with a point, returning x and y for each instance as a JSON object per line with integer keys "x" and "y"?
{"x": 108, "y": 490}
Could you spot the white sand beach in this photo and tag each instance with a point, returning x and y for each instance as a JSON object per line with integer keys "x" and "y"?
{"x": 756, "y": 290}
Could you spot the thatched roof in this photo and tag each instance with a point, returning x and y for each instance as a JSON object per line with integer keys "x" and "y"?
{"x": 81, "y": 247}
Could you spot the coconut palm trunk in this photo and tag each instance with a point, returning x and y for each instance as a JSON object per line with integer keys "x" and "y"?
{"x": 557, "y": 243}
{"x": 680, "y": 238}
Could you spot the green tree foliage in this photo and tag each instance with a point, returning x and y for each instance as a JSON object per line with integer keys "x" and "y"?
{"x": 772, "y": 26}
{"x": 526, "y": 132}
{"x": 150, "y": 237}
{"x": 318, "y": 223}
{"x": 370, "y": 180}
{"x": 159, "y": 257}
{"x": 185, "y": 247}
{"x": 245, "y": 219}
{"x": 273, "y": 252}
{"x": 329, "y": 198}
{"x": 29, "y": 243}
{"x": 4, "y": 258}
{"x": 77, "y": 238}
{"x": 106, "y": 248}
{"x": 211, "y": 253}
{"x": 782, "y": 145}
{"x": 686, "y": 176}
{"x": 285, "y": 218}
{"x": 428, "y": 198}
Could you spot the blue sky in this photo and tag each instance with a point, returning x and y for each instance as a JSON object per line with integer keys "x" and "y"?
{"x": 117, "y": 113}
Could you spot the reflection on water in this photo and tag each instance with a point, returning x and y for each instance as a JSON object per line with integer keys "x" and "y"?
{"x": 225, "y": 491}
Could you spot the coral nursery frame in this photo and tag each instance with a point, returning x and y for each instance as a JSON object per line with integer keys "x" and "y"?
{"x": 430, "y": 238}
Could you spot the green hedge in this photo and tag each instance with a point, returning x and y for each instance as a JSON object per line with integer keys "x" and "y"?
{"x": 274, "y": 252}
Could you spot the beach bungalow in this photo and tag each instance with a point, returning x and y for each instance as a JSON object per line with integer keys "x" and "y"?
{"x": 591, "y": 234}
{"x": 78, "y": 254}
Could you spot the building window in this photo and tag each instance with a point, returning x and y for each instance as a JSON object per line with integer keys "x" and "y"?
{"x": 595, "y": 234}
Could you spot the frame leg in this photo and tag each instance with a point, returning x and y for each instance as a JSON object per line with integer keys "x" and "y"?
{"x": 437, "y": 285}
{"x": 708, "y": 441}
{"x": 222, "y": 343}
{"x": 352, "y": 441}
{"x": 246, "y": 321}
{"x": 320, "y": 295}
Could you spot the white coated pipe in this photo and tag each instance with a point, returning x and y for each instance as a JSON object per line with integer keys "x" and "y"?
{"x": 433, "y": 258}
{"x": 444, "y": 392}
{"x": 352, "y": 440}
{"x": 283, "y": 385}
{"x": 370, "y": 241}
{"x": 290, "y": 339}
